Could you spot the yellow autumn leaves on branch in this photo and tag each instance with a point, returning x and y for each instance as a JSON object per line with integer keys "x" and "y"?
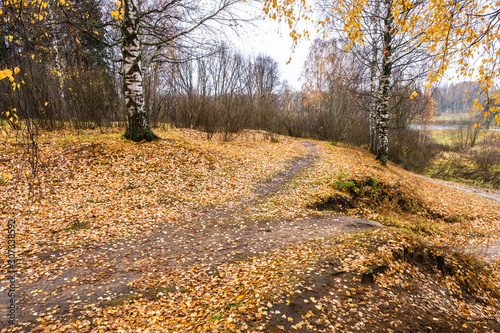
{"x": 8, "y": 73}
{"x": 118, "y": 14}
{"x": 455, "y": 32}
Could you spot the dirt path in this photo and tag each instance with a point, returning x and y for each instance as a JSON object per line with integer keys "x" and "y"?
{"x": 217, "y": 236}
{"x": 490, "y": 194}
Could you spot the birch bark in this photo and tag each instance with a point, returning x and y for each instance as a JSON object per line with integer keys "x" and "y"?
{"x": 137, "y": 121}
{"x": 385, "y": 88}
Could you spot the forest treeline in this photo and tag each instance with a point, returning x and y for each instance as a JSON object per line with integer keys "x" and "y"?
{"x": 73, "y": 62}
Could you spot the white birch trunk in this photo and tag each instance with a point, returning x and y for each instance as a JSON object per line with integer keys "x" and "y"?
{"x": 385, "y": 88}
{"x": 137, "y": 122}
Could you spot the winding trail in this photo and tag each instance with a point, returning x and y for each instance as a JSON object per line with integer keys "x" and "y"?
{"x": 219, "y": 235}
{"x": 490, "y": 194}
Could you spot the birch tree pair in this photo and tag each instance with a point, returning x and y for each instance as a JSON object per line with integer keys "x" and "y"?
{"x": 369, "y": 30}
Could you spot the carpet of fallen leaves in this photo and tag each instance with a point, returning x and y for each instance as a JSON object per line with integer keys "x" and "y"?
{"x": 107, "y": 188}
{"x": 280, "y": 291}
{"x": 410, "y": 277}
{"x": 479, "y": 217}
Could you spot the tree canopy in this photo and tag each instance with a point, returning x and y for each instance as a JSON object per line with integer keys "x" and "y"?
{"x": 460, "y": 34}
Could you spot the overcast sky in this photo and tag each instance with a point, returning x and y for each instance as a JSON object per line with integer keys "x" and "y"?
{"x": 271, "y": 38}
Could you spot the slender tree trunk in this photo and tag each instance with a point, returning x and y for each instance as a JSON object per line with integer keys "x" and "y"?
{"x": 79, "y": 59}
{"x": 373, "y": 102}
{"x": 137, "y": 122}
{"x": 373, "y": 83}
{"x": 385, "y": 88}
{"x": 58, "y": 60}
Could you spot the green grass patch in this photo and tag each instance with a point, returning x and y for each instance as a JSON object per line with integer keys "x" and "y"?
{"x": 76, "y": 227}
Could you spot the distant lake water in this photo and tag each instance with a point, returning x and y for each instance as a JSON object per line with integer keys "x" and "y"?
{"x": 445, "y": 127}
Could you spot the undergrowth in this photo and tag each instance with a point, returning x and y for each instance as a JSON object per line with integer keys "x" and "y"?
{"x": 369, "y": 194}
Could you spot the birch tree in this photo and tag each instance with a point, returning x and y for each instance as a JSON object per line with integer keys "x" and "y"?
{"x": 148, "y": 31}
{"x": 373, "y": 45}
{"x": 137, "y": 120}
{"x": 462, "y": 32}
{"x": 369, "y": 30}
{"x": 381, "y": 130}
{"x": 385, "y": 53}
{"x": 162, "y": 27}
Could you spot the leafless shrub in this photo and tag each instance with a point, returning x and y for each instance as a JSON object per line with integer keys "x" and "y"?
{"x": 91, "y": 99}
{"x": 272, "y": 137}
{"x": 467, "y": 135}
{"x": 486, "y": 157}
{"x": 412, "y": 150}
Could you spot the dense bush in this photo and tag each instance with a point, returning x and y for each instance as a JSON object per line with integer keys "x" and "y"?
{"x": 79, "y": 99}
{"x": 412, "y": 149}
{"x": 486, "y": 156}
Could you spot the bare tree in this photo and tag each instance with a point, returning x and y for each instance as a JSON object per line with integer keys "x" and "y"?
{"x": 332, "y": 80}
{"x": 160, "y": 29}
{"x": 263, "y": 73}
